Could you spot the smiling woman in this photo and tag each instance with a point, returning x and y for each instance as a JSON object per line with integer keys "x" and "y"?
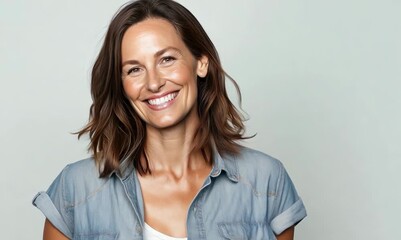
{"x": 160, "y": 74}
{"x": 164, "y": 136}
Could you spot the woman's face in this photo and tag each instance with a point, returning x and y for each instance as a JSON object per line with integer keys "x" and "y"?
{"x": 160, "y": 73}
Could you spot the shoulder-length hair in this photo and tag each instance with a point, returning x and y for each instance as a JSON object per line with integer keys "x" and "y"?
{"x": 116, "y": 132}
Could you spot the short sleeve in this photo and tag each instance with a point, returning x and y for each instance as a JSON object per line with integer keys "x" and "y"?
{"x": 287, "y": 208}
{"x": 54, "y": 205}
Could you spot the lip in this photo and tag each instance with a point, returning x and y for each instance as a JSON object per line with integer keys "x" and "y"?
{"x": 162, "y": 101}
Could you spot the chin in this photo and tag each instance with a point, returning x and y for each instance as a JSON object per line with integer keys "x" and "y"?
{"x": 171, "y": 122}
{"x": 163, "y": 124}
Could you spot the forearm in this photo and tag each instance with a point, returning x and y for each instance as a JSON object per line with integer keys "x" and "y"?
{"x": 288, "y": 234}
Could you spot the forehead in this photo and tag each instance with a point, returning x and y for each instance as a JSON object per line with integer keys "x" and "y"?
{"x": 150, "y": 35}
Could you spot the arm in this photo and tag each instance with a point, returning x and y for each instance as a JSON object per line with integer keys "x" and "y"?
{"x": 288, "y": 234}
{"x": 52, "y": 233}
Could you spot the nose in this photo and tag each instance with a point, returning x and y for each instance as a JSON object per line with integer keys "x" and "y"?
{"x": 155, "y": 81}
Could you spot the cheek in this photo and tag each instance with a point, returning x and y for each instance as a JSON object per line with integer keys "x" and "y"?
{"x": 132, "y": 89}
{"x": 181, "y": 75}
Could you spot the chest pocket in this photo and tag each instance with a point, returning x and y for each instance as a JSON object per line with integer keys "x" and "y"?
{"x": 96, "y": 236}
{"x": 245, "y": 231}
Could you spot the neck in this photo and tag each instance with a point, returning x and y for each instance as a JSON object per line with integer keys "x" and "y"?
{"x": 171, "y": 149}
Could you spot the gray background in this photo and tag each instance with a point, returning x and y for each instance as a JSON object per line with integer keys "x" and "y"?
{"x": 320, "y": 83}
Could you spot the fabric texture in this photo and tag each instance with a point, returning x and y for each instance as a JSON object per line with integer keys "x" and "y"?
{"x": 246, "y": 196}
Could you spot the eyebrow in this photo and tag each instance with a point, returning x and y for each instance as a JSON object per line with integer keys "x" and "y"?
{"x": 157, "y": 54}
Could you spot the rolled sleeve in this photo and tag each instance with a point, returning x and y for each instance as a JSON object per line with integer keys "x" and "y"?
{"x": 289, "y": 217}
{"x": 43, "y": 202}
{"x": 288, "y": 206}
{"x": 54, "y": 206}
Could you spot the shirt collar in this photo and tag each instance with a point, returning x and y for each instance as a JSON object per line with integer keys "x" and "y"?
{"x": 125, "y": 169}
{"x": 227, "y": 164}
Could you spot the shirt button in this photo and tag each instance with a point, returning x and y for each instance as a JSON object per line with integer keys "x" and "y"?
{"x": 194, "y": 209}
{"x": 138, "y": 229}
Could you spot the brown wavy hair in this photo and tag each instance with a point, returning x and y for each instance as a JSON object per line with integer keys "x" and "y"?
{"x": 116, "y": 132}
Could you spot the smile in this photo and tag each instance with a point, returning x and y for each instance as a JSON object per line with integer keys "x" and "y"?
{"x": 163, "y": 100}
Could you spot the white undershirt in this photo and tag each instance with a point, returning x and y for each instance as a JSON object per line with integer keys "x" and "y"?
{"x": 151, "y": 234}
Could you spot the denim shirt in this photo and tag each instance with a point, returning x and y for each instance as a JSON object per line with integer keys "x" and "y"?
{"x": 245, "y": 196}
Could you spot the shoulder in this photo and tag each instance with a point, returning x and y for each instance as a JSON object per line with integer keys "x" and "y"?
{"x": 253, "y": 161}
{"x": 85, "y": 168}
{"x": 79, "y": 180}
{"x": 258, "y": 169}
{"x": 81, "y": 172}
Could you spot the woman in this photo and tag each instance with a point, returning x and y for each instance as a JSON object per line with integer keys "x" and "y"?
{"x": 166, "y": 163}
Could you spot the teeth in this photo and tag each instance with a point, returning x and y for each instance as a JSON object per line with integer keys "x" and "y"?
{"x": 162, "y": 100}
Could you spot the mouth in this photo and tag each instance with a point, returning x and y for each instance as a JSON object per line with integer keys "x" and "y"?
{"x": 161, "y": 101}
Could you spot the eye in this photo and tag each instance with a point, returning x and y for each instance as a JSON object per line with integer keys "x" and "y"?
{"x": 133, "y": 70}
{"x": 167, "y": 60}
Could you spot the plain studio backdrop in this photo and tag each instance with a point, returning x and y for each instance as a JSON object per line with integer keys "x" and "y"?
{"x": 321, "y": 84}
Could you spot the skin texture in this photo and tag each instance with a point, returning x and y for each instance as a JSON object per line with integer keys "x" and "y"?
{"x": 52, "y": 233}
{"x": 156, "y": 64}
{"x": 288, "y": 234}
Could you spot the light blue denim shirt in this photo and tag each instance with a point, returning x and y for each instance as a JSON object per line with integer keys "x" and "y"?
{"x": 246, "y": 196}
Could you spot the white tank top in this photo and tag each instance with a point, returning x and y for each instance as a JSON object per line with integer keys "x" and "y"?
{"x": 151, "y": 234}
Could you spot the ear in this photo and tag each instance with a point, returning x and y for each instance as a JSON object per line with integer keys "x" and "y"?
{"x": 202, "y": 67}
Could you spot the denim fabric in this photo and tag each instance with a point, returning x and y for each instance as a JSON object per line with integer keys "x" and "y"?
{"x": 246, "y": 196}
